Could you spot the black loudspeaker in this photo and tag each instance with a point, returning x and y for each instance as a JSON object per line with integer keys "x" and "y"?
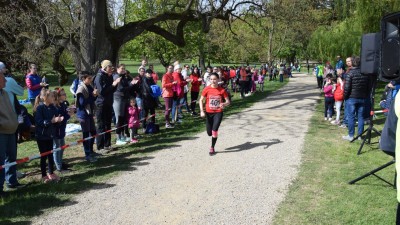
{"x": 370, "y": 49}
{"x": 390, "y": 48}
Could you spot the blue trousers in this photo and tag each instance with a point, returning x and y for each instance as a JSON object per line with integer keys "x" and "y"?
{"x": 8, "y": 154}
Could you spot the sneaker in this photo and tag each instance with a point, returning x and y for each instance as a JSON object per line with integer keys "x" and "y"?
{"x": 330, "y": 119}
{"x": 180, "y": 116}
{"x": 108, "y": 148}
{"x": 326, "y": 118}
{"x": 15, "y": 186}
{"x": 91, "y": 159}
{"x": 20, "y": 175}
{"x": 343, "y": 126}
{"x": 64, "y": 171}
{"x": 179, "y": 121}
{"x": 46, "y": 179}
{"x": 95, "y": 154}
{"x": 120, "y": 142}
{"x": 195, "y": 114}
{"x": 133, "y": 140}
{"x": 126, "y": 139}
{"x": 212, "y": 151}
{"x": 102, "y": 151}
{"x": 334, "y": 122}
{"x": 347, "y": 137}
{"x": 53, "y": 177}
{"x": 168, "y": 125}
{"x": 137, "y": 136}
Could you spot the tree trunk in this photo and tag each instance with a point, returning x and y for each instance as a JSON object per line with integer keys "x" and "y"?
{"x": 202, "y": 60}
{"x": 96, "y": 42}
{"x": 270, "y": 37}
{"x": 58, "y": 67}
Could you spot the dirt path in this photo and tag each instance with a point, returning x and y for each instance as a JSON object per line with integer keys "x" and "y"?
{"x": 259, "y": 152}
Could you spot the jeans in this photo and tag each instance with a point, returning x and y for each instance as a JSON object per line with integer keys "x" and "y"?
{"x": 355, "y": 105}
{"x": 8, "y": 154}
{"x": 139, "y": 103}
{"x": 103, "y": 119}
{"x": 175, "y": 107}
{"x": 185, "y": 103}
{"x": 280, "y": 77}
{"x": 345, "y": 110}
{"x": 182, "y": 103}
{"x": 58, "y": 155}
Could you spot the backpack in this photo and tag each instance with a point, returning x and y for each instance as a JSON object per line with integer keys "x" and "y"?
{"x": 156, "y": 91}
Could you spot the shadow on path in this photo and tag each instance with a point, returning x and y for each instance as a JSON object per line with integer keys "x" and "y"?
{"x": 249, "y": 145}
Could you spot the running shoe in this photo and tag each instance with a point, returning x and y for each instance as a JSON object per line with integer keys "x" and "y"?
{"x": 134, "y": 140}
{"x": 212, "y": 151}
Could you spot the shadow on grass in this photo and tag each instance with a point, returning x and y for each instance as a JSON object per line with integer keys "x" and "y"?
{"x": 249, "y": 145}
{"x": 23, "y": 203}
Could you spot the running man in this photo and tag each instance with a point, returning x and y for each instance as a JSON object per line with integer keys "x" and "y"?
{"x": 214, "y": 96}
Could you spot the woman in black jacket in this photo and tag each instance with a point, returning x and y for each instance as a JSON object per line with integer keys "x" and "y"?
{"x": 149, "y": 102}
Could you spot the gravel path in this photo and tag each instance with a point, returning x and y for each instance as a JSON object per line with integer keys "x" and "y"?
{"x": 259, "y": 152}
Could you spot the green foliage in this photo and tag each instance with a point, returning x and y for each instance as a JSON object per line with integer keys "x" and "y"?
{"x": 343, "y": 37}
{"x": 321, "y": 193}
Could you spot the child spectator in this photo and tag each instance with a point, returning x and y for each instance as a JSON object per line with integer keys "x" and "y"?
{"x": 45, "y": 118}
{"x": 260, "y": 81}
{"x": 133, "y": 120}
{"x": 86, "y": 96}
{"x": 338, "y": 96}
{"x": 195, "y": 89}
{"x": 328, "y": 90}
{"x": 61, "y": 105}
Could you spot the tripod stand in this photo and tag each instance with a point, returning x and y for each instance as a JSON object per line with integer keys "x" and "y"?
{"x": 370, "y": 128}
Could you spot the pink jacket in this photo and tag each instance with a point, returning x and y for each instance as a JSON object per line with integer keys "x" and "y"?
{"x": 328, "y": 91}
{"x": 133, "y": 117}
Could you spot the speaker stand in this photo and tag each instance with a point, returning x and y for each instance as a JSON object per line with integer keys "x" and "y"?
{"x": 370, "y": 128}
{"x": 372, "y": 172}
{"x": 367, "y": 137}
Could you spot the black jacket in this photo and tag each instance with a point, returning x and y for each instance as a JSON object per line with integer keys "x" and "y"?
{"x": 357, "y": 85}
{"x": 103, "y": 84}
{"x": 149, "y": 102}
{"x": 44, "y": 127}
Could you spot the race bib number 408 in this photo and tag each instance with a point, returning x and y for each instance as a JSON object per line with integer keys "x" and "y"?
{"x": 214, "y": 102}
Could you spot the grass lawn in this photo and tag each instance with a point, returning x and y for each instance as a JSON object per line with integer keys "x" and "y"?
{"x": 21, "y": 205}
{"x": 321, "y": 193}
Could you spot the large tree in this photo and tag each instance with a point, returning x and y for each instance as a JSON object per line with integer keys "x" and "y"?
{"x": 90, "y": 33}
